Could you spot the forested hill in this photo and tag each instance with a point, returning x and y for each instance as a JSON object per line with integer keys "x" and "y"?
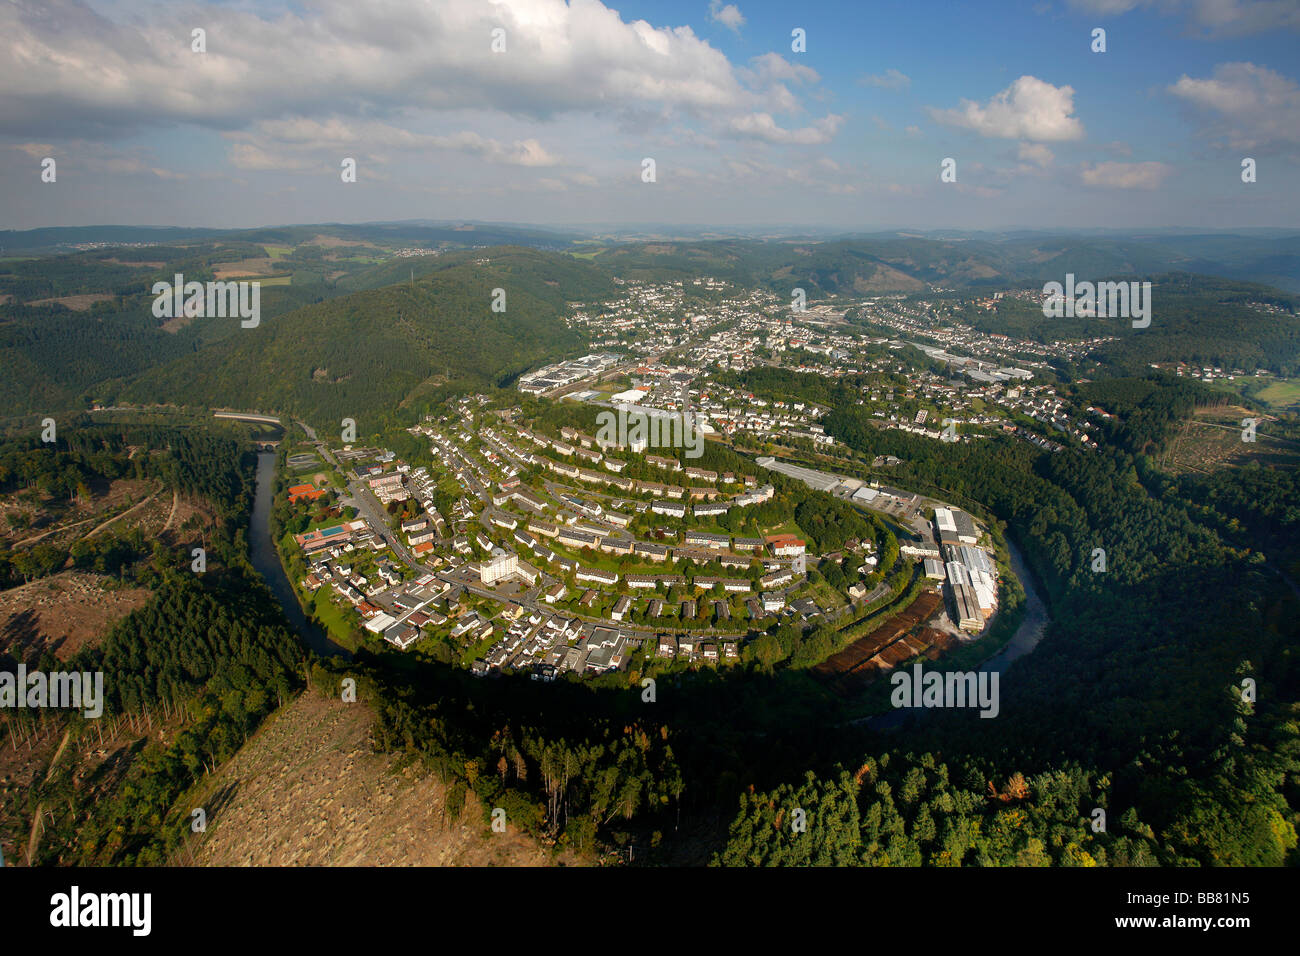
{"x": 1133, "y": 703}
{"x": 900, "y": 263}
{"x": 364, "y": 355}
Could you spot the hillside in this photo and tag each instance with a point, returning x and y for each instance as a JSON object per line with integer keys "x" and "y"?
{"x": 900, "y": 263}
{"x": 307, "y": 790}
{"x": 1197, "y": 319}
{"x": 78, "y": 328}
{"x": 354, "y": 325}
{"x": 363, "y": 355}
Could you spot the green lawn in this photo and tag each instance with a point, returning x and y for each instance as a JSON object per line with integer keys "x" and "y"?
{"x": 337, "y": 621}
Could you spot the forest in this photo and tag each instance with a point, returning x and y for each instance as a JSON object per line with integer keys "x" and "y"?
{"x": 1197, "y": 319}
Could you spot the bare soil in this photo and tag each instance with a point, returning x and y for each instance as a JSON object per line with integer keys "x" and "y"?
{"x": 307, "y": 790}
{"x": 63, "y": 613}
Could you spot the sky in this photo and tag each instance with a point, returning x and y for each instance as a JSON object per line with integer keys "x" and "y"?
{"x": 757, "y": 115}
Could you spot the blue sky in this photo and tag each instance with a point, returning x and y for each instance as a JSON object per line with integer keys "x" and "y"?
{"x": 553, "y": 128}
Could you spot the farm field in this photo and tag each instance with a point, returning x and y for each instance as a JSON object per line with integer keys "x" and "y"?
{"x": 250, "y": 268}
{"x": 1282, "y": 394}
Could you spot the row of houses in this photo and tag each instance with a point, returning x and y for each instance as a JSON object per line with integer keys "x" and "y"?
{"x": 688, "y": 648}
{"x": 673, "y": 492}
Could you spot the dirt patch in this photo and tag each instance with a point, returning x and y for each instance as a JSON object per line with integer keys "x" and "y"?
{"x": 63, "y": 613}
{"x": 1212, "y": 439}
{"x": 887, "y": 278}
{"x": 77, "y": 303}
{"x": 308, "y": 791}
{"x": 60, "y": 521}
{"x": 333, "y": 242}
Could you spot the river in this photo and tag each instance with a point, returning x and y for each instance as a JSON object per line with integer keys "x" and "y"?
{"x": 266, "y": 561}
{"x": 1030, "y": 631}
{"x": 1026, "y": 638}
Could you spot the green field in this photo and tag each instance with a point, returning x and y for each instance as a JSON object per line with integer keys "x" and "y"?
{"x": 277, "y": 280}
{"x": 1284, "y": 393}
{"x": 278, "y": 252}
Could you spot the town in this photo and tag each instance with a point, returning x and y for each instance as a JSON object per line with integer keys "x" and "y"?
{"x": 512, "y": 543}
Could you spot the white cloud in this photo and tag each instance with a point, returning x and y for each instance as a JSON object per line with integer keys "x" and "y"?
{"x": 94, "y": 156}
{"x": 34, "y": 150}
{"x": 65, "y": 65}
{"x": 1106, "y": 8}
{"x": 1028, "y": 109}
{"x": 773, "y": 67}
{"x": 891, "y": 79}
{"x": 130, "y": 166}
{"x": 1125, "y": 175}
{"x": 763, "y": 126}
{"x": 1244, "y": 106}
{"x": 729, "y": 15}
{"x": 299, "y": 143}
{"x": 1036, "y": 153}
{"x": 1237, "y": 17}
{"x": 1215, "y": 17}
{"x": 251, "y": 156}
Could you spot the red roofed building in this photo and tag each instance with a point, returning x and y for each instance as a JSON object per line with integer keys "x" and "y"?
{"x": 785, "y": 545}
